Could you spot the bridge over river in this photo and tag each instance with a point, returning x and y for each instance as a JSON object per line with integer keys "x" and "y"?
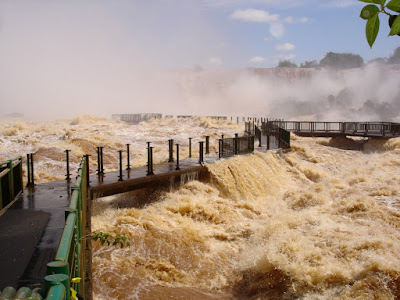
{"x": 45, "y": 228}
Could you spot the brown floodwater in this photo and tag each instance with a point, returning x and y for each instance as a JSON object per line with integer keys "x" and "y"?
{"x": 316, "y": 222}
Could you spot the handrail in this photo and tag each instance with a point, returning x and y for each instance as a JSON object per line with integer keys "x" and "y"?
{"x": 66, "y": 239}
{"x": 237, "y": 145}
{"x": 10, "y": 181}
{"x": 74, "y": 240}
{"x": 56, "y": 292}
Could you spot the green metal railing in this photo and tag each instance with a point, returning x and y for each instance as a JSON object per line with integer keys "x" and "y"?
{"x": 68, "y": 273}
{"x": 10, "y": 180}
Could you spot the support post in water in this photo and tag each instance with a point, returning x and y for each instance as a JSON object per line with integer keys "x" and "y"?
{"x": 171, "y": 150}
{"x": 120, "y": 165}
{"x": 177, "y": 157}
{"x": 67, "y": 158}
{"x": 190, "y": 147}
{"x": 128, "y": 163}
{"x": 149, "y": 159}
{"x": 201, "y": 146}
{"x": 207, "y": 144}
{"x": 236, "y": 145}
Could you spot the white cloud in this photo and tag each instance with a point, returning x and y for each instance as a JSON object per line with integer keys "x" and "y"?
{"x": 286, "y": 57}
{"x": 340, "y": 3}
{"x": 270, "y": 3}
{"x": 291, "y": 20}
{"x": 285, "y": 47}
{"x": 257, "y": 59}
{"x": 216, "y": 61}
{"x": 277, "y": 30}
{"x": 254, "y": 15}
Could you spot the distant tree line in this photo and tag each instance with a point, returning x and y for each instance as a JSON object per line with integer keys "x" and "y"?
{"x": 341, "y": 61}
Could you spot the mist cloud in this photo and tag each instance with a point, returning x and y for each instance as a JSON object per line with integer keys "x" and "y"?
{"x": 63, "y": 59}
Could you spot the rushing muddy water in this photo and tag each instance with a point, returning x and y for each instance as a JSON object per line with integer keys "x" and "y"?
{"x": 82, "y": 135}
{"x": 315, "y": 222}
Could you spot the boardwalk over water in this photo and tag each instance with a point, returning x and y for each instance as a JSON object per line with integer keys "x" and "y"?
{"x": 336, "y": 129}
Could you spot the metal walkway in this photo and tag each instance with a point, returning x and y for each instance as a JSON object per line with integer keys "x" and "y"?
{"x": 335, "y": 129}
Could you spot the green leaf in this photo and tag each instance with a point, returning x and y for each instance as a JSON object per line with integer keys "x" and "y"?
{"x": 372, "y": 29}
{"x": 381, "y": 2}
{"x": 394, "y": 5}
{"x": 369, "y": 11}
{"x": 395, "y": 28}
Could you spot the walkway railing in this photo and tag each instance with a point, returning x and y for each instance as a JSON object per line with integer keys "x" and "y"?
{"x": 237, "y": 145}
{"x": 366, "y": 129}
{"x": 275, "y": 135}
{"x": 10, "y": 181}
{"x": 72, "y": 259}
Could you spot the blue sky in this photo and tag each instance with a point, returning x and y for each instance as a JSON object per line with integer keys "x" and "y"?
{"x": 69, "y": 56}
{"x": 176, "y": 33}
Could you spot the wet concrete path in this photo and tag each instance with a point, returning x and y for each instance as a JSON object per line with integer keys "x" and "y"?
{"x": 31, "y": 228}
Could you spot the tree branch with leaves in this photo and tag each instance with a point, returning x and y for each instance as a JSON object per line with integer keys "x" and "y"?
{"x": 109, "y": 239}
{"x": 371, "y": 13}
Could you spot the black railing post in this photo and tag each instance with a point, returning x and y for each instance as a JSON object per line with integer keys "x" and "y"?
{"x": 177, "y": 157}
{"x": 11, "y": 182}
{"x": 28, "y": 168}
{"x": 120, "y": 165}
{"x": 219, "y": 148}
{"x": 190, "y": 147}
{"x": 222, "y": 145}
{"x": 171, "y": 150}
{"x": 98, "y": 161}
{"x": 32, "y": 171}
{"x": 128, "y": 163}
{"x": 279, "y": 139}
{"x": 201, "y": 146}
{"x": 235, "y": 145}
{"x": 87, "y": 169}
{"x": 67, "y": 158}
{"x": 149, "y": 159}
{"x": 267, "y": 141}
{"x": 237, "y": 120}
{"x": 207, "y": 144}
{"x": 101, "y": 162}
{"x": 32, "y": 179}
{"x": 100, "y": 169}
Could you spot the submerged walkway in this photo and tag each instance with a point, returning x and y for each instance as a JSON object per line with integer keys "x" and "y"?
{"x": 32, "y": 226}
